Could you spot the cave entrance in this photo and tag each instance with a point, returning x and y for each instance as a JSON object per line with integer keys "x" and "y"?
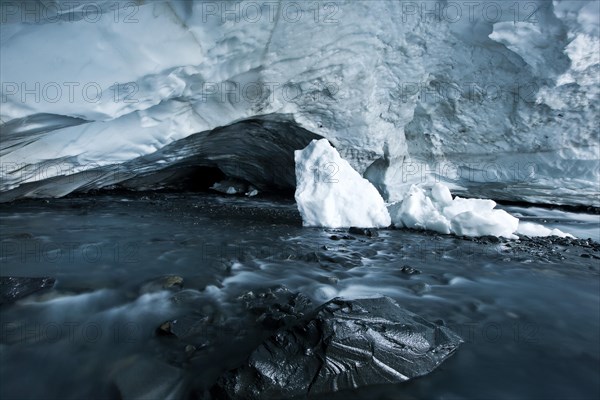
{"x": 191, "y": 178}
{"x": 199, "y": 178}
{"x": 254, "y": 153}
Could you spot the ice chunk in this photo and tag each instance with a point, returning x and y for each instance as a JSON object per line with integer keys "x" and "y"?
{"x": 434, "y": 209}
{"x": 441, "y": 194}
{"x": 484, "y": 222}
{"x": 417, "y": 211}
{"x": 230, "y": 186}
{"x": 460, "y": 205}
{"x": 532, "y": 229}
{"x": 330, "y": 193}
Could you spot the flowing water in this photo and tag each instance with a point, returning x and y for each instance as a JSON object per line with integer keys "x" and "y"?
{"x": 529, "y": 313}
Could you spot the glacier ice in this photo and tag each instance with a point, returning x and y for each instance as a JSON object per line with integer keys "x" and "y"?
{"x": 437, "y": 211}
{"x": 330, "y": 193}
{"x": 258, "y": 151}
{"x": 432, "y": 208}
{"x": 418, "y": 211}
{"x": 533, "y": 229}
{"x": 500, "y": 104}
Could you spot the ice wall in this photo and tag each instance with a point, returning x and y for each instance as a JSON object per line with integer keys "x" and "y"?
{"x": 497, "y": 99}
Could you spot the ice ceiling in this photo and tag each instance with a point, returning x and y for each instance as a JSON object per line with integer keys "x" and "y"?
{"x": 495, "y": 99}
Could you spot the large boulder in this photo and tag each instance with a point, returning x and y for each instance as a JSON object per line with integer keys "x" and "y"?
{"x": 345, "y": 344}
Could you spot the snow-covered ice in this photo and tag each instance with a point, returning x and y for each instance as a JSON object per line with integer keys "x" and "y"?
{"x": 533, "y": 229}
{"x": 419, "y": 211}
{"x": 434, "y": 209}
{"x": 583, "y": 225}
{"x": 331, "y": 193}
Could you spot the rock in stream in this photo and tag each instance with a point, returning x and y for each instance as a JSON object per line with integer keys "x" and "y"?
{"x": 14, "y": 288}
{"x": 344, "y": 344}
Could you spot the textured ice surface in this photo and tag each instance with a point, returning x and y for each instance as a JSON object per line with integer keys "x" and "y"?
{"x": 257, "y": 150}
{"x": 582, "y": 225}
{"x": 347, "y": 344}
{"x": 434, "y": 209}
{"x": 331, "y": 193}
{"x": 533, "y": 229}
{"x": 502, "y": 103}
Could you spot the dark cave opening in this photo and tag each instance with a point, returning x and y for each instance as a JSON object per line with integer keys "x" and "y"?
{"x": 254, "y": 153}
{"x": 193, "y": 178}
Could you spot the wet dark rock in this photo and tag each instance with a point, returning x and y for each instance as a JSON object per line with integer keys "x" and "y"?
{"x": 190, "y": 350}
{"x": 363, "y": 231}
{"x": 191, "y": 328}
{"x": 339, "y": 257}
{"x": 167, "y": 282}
{"x": 264, "y": 311}
{"x": 340, "y": 237}
{"x": 276, "y": 307}
{"x": 344, "y": 344}
{"x": 193, "y": 337}
{"x": 165, "y": 329}
{"x": 333, "y": 280}
{"x": 408, "y": 270}
{"x": 488, "y": 239}
{"x": 549, "y": 249}
{"x": 420, "y": 288}
{"x": 13, "y": 288}
{"x": 309, "y": 257}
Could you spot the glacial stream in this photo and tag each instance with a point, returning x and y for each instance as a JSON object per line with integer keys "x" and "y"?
{"x": 528, "y": 311}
